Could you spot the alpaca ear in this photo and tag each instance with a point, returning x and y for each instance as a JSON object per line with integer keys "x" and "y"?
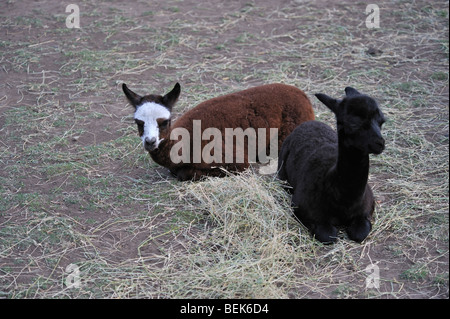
{"x": 132, "y": 97}
{"x": 171, "y": 98}
{"x": 331, "y": 103}
{"x": 349, "y": 91}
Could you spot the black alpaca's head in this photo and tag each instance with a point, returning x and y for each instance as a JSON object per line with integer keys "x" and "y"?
{"x": 359, "y": 120}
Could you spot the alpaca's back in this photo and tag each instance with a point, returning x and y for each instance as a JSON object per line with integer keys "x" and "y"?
{"x": 268, "y": 106}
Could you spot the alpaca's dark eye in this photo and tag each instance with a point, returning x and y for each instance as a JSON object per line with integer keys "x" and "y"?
{"x": 164, "y": 124}
{"x": 140, "y": 125}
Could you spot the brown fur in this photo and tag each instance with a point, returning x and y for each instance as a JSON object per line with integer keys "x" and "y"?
{"x": 268, "y": 106}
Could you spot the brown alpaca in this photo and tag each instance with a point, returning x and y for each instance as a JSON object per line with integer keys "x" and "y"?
{"x": 251, "y": 113}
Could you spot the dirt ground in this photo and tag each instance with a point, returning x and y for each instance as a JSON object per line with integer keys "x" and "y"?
{"x": 78, "y": 189}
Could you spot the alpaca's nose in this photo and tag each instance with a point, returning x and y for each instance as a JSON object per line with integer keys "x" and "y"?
{"x": 150, "y": 143}
{"x": 378, "y": 146}
{"x": 380, "y": 143}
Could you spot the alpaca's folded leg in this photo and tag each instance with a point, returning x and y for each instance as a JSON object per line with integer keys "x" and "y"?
{"x": 359, "y": 229}
{"x": 325, "y": 233}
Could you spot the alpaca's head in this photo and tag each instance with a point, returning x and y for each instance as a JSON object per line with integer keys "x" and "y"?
{"x": 152, "y": 115}
{"x": 359, "y": 120}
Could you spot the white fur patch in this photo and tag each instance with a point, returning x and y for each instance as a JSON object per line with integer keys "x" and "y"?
{"x": 149, "y": 112}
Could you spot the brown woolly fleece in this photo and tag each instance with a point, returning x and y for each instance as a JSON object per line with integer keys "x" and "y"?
{"x": 269, "y": 106}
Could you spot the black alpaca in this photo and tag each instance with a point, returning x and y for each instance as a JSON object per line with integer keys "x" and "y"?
{"x": 328, "y": 172}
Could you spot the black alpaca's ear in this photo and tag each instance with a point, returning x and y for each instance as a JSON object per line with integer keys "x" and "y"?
{"x": 331, "y": 103}
{"x": 171, "y": 98}
{"x": 349, "y": 91}
{"x": 132, "y": 97}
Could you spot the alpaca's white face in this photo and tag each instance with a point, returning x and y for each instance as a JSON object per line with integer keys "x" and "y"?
{"x": 151, "y": 119}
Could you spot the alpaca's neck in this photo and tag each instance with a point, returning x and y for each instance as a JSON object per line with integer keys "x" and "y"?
{"x": 352, "y": 171}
